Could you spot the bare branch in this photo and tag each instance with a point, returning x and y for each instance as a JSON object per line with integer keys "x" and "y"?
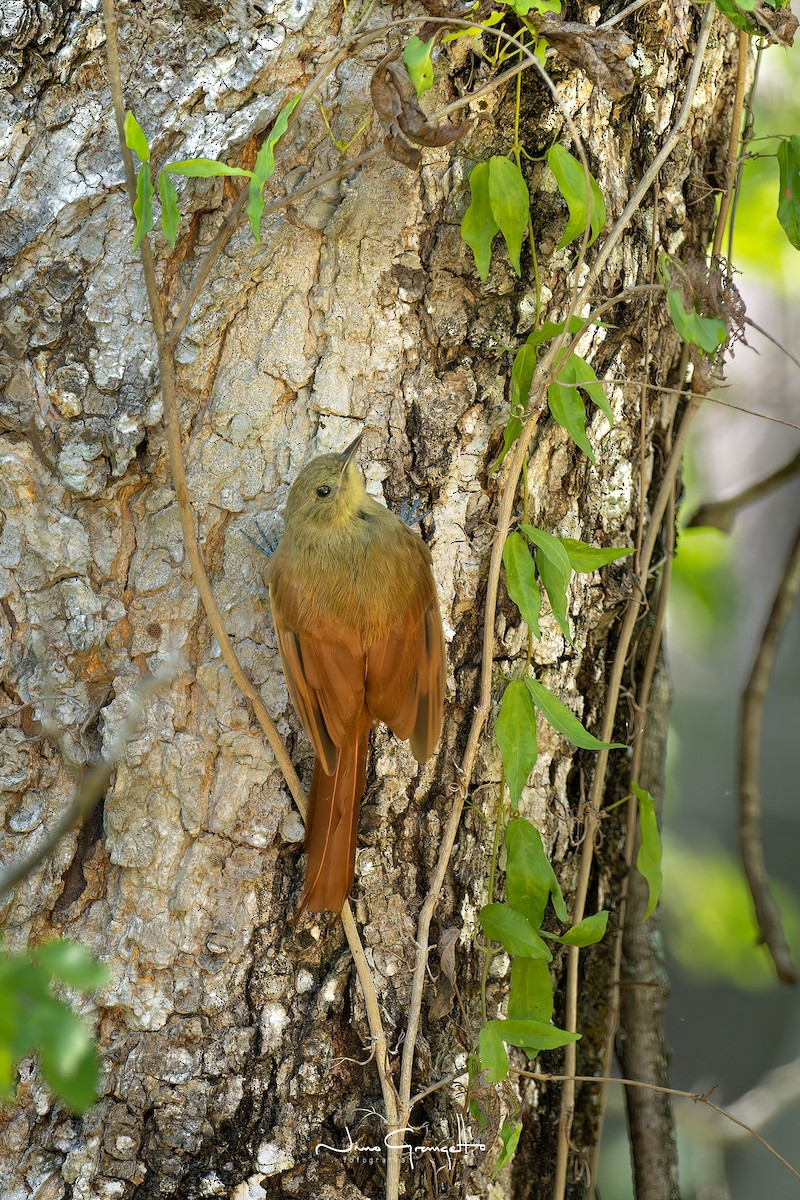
{"x": 721, "y": 513}
{"x": 768, "y": 914}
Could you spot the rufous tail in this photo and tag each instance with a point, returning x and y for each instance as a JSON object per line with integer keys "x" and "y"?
{"x": 332, "y": 824}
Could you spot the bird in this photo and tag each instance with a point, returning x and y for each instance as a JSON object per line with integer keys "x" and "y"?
{"x": 359, "y": 632}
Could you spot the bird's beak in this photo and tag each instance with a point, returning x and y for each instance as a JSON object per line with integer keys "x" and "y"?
{"x": 347, "y": 456}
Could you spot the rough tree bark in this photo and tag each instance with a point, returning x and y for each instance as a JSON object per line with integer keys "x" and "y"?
{"x": 231, "y": 1042}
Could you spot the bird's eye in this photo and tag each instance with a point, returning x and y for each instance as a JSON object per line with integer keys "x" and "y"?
{"x": 324, "y": 490}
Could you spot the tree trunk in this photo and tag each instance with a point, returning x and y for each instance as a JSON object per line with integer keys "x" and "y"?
{"x": 231, "y": 1042}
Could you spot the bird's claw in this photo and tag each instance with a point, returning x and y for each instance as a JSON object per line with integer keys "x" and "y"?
{"x": 413, "y": 514}
{"x": 266, "y": 544}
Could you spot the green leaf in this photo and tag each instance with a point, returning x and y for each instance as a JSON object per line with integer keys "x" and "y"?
{"x": 530, "y": 879}
{"x": 494, "y": 18}
{"x": 523, "y": 7}
{"x": 554, "y": 571}
{"x": 494, "y": 1059}
{"x": 510, "y": 204}
{"x": 417, "y": 59}
{"x": 567, "y": 407}
{"x": 789, "y": 193}
{"x": 516, "y": 736}
{"x": 565, "y": 721}
{"x": 521, "y": 580}
{"x": 512, "y": 430}
{"x": 531, "y": 996}
{"x": 534, "y": 1035}
{"x": 479, "y": 225}
{"x": 170, "y": 216}
{"x": 143, "y": 207}
{"x": 255, "y": 206}
{"x": 571, "y": 182}
{"x": 648, "y": 860}
{"x": 32, "y": 1020}
{"x": 733, "y": 12}
{"x": 556, "y": 593}
{"x": 203, "y": 168}
{"x": 577, "y": 372}
{"x": 707, "y": 333}
{"x": 514, "y": 931}
{"x": 509, "y": 1136}
{"x": 68, "y": 1058}
{"x": 551, "y": 548}
{"x": 264, "y": 167}
{"x": 566, "y": 404}
{"x": 135, "y": 139}
{"x": 585, "y": 933}
{"x": 552, "y": 329}
{"x": 522, "y": 374}
{"x": 69, "y": 962}
{"x": 265, "y": 160}
{"x": 585, "y": 558}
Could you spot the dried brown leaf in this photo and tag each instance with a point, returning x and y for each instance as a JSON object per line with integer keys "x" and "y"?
{"x": 400, "y": 150}
{"x": 442, "y": 1000}
{"x": 411, "y": 119}
{"x": 383, "y": 94}
{"x": 780, "y": 24}
{"x": 394, "y": 99}
{"x": 448, "y": 940}
{"x": 600, "y": 53}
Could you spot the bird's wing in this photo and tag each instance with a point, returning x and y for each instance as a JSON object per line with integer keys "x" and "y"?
{"x": 323, "y": 662}
{"x": 406, "y": 667}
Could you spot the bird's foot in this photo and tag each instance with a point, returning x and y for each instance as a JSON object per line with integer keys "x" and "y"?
{"x": 414, "y": 514}
{"x": 266, "y": 544}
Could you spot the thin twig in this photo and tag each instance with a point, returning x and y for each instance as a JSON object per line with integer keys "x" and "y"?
{"x": 733, "y": 143}
{"x": 644, "y": 184}
{"x": 199, "y": 574}
{"x": 541, "y": 1077}
{"x": 768, "y": 914}
{"x": 626, "y": 380}
{"x": 777, "y": 1091}
{"x": 643, "y": 395}
{"x": 436, "y": 1087}
{"x": 626, "y": 12}
{"x": 598, "y": 781}
{"x": 771, "y": 338}
{"x": 643, "y": 1050}
{"x": 92, "y": 786}
{"x": 512, "y": 468}
{"x": 631, "y": 615}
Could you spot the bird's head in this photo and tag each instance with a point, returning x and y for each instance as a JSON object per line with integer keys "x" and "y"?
{"x": 327, "y": 493}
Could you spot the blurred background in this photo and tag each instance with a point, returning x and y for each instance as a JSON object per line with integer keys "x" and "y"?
{"x": 730, "y": 1023}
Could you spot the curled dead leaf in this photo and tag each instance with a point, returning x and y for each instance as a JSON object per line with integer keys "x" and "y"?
{"x": 394, "y": 99}
{"x": 400, "y": 150}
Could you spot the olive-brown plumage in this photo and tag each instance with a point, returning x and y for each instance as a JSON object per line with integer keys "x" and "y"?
{"x": 360, "y": 638}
